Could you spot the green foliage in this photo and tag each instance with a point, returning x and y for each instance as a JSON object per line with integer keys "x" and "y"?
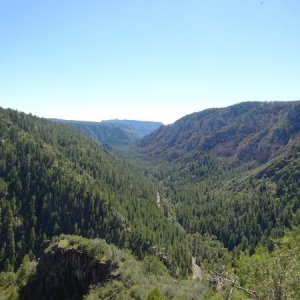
{"x": 155, "y": 295}
{"x": 227, "y": 177}
{"x": 26, "y": 269}
{"x": 136, "y": 280}
{"x": 96, "y": 248}
{"x": 11, "y": 283}
{"x": 54, "y": 180}
{"x": 275, "y": 274}
{"x": 209, "y": 152}
{"x": 152, "y": 265}
{"x": 240, "y": 209}
{"x": 210, "y": 253}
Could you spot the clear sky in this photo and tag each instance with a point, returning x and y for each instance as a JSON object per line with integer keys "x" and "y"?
{"x": 146, "y": 59}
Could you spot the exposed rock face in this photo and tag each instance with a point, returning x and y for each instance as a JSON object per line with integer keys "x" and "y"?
{"x": 247, "y": 131}
{"x": 66, "y": 274}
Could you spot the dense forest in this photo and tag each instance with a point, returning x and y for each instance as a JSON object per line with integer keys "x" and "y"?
{"x": 242, "y": 199}
{"x": 54, "y": 180}
{"x": 214, "y": 197}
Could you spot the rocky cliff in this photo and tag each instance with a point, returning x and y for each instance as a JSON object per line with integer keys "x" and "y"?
{"x": 66, "y": 273}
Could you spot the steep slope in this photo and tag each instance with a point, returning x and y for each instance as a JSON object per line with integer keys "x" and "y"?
{"x": 55, "y": 180}
{"x": 247, "y": 131}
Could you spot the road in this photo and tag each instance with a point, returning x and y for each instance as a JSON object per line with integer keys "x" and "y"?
{"x": 158, "y": 199}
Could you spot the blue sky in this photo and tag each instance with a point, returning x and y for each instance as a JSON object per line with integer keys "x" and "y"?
{"x": 146, "y": 60}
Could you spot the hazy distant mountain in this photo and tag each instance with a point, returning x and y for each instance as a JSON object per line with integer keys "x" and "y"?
{"x": 114, "y": 132}
{"x": 142, "y": 128}
{"x": 247, "y": 131}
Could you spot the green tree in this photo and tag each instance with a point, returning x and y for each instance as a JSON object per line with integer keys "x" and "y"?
{"x": 273, "y": 275}
{"x": 156, "y": 295}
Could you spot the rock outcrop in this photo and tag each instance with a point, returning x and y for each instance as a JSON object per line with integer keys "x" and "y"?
{"x": 66, "y": 273}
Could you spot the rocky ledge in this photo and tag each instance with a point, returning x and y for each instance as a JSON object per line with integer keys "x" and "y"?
{"x": 67, "y": 273}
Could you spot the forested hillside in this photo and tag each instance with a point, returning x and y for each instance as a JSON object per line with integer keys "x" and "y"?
{"x": 213, "y": 197}
{"x": 246, "y": 131}
{"x": 246, "y": 210}
{"x": 54, "y": 180}
{"x": 232, "y": 172}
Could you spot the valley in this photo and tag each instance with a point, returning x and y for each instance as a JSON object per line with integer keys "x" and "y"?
{"x": 159, "y": 213}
